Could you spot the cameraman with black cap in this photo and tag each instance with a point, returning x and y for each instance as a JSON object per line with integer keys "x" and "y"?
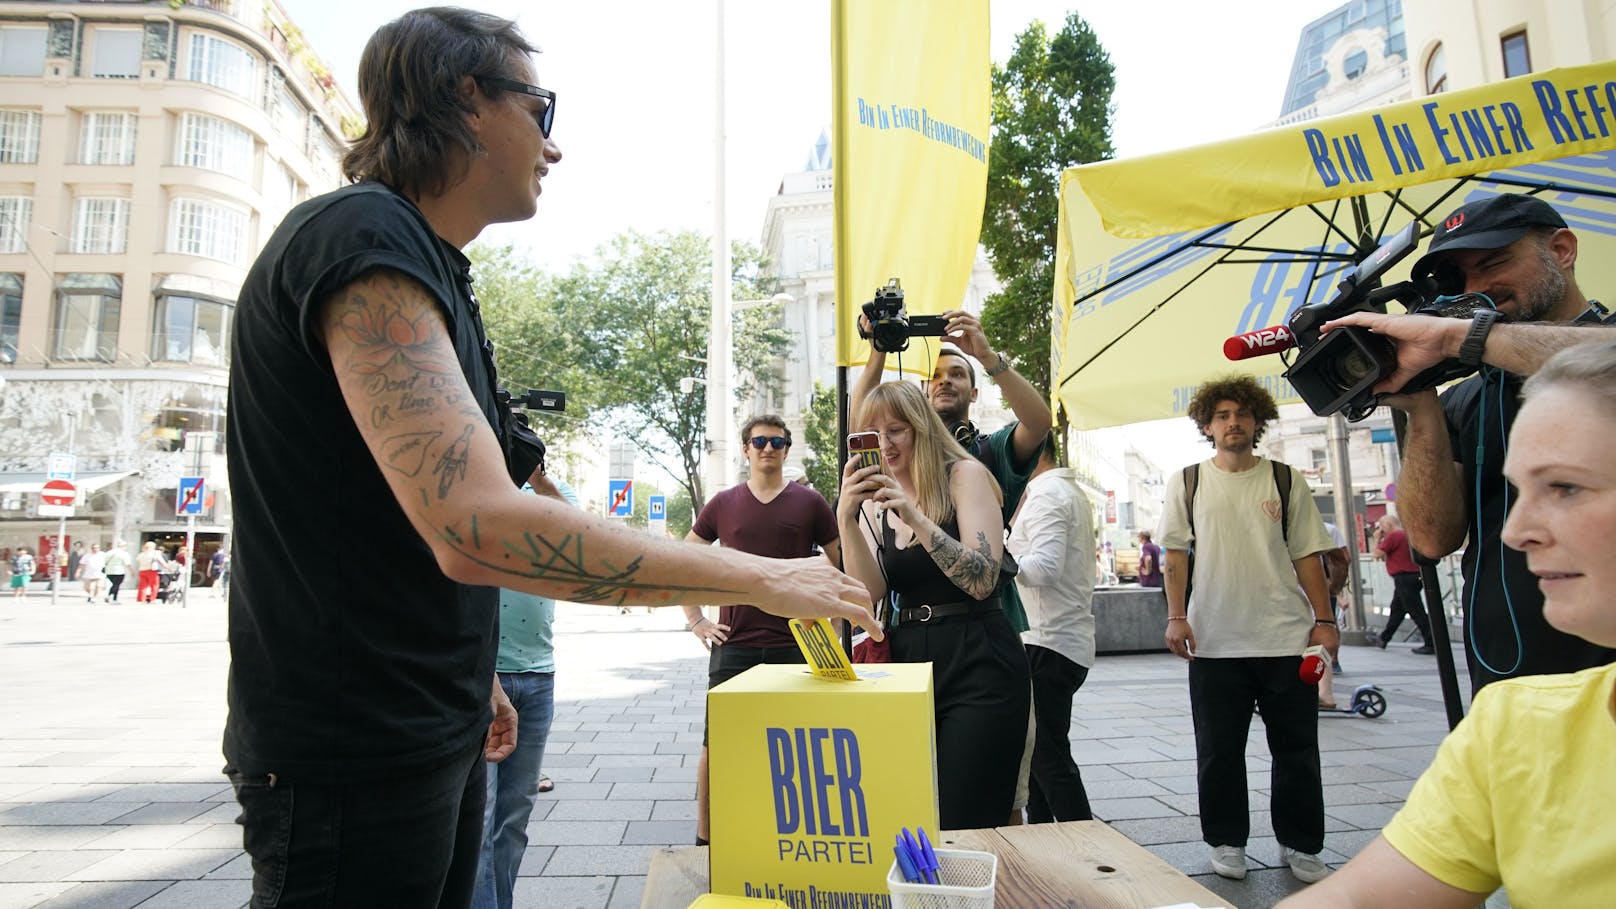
{"x": 1517, "y": 250}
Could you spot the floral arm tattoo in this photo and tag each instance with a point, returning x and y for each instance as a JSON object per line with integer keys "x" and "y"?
{"x": 973, "y": 571}
{"x": 404, "y": 380}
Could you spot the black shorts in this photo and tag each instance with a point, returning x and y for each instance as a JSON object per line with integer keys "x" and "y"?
{"x": 729, "y": 660}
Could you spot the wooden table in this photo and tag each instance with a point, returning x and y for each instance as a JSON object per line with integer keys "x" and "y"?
{"x": 1077, "y": 864}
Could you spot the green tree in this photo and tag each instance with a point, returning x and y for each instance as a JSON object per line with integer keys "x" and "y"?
{"x": 533, "y": 344}
{"x": 1051, "y": 110}
{"x": 641, "y": 314}
{"x": 819, "y": 432}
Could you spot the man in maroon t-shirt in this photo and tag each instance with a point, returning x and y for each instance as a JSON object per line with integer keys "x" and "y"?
{"x": 764, "y": 516}
{"x": 1391, "y": 544}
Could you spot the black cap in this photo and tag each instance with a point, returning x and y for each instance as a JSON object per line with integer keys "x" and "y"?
{"x": 1491, "y": 223}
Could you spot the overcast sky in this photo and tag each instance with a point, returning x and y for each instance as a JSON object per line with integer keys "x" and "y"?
{"x": 635, "y": 99}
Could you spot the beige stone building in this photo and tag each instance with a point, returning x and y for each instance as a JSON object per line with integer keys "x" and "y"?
{"x": 147, "y": 150}
{"x": 1454, "y": 44}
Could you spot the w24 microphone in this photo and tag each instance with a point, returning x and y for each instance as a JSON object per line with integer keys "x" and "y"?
{"x": 1315, "y": 660}
{"x": 1257, "y": 343}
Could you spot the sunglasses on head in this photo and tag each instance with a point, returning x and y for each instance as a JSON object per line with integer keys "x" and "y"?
{"x": 776, "y": 442}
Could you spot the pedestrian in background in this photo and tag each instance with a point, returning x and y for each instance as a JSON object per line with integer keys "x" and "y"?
{"x": 115, "y": 567}
{"x": 22, "y": 570}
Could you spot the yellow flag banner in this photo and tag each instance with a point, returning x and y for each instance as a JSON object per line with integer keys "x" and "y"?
{"x": 1162, "y": 258}
{"x": 911, "y": 82}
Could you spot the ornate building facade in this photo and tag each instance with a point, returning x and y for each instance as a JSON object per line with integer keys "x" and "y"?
{"x": 147, "y": 150}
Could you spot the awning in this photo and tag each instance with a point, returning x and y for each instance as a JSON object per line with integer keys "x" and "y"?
{"x": 87, "y": 482}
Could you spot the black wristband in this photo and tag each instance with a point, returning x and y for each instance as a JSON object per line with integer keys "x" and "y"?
{"x": 1475, "y": 340}
{"x": 1330, "y": 622}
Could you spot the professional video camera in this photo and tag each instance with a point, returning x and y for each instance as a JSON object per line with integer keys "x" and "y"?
{"x": 891, "y": 326}
{"x": 524, "y": 450}
{"x": 1336, "y": 372}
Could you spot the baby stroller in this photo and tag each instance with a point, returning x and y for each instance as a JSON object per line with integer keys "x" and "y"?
{"x": 169, "y": 588}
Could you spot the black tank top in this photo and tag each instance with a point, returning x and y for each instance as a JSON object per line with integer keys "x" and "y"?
{"x": 912, "y": 574}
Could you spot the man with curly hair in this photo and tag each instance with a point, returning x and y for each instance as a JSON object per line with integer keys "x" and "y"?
{"x": 1241, "y": 621}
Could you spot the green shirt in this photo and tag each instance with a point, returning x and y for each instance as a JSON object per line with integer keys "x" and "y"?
{"x": 524, "y": 622}
{"x": 1012, "y": 479}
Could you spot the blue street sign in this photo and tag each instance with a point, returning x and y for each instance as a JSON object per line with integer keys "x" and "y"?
{"x": 188, "y": 498}
{"x": 620, "y": 498}
{"x": 659, "y": 508}
{"x": 1382, "y": 436}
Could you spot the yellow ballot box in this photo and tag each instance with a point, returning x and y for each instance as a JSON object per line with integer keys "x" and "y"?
{"x": 812, "y": 777}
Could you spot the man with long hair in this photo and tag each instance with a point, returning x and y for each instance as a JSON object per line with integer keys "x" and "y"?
{"x": 365, "y": 422}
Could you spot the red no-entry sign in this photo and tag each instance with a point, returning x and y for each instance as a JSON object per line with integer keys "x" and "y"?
{"x": 58, "y": 492}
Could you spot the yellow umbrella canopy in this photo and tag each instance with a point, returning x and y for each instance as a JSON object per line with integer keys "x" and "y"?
{"x": 1161, "y": 258}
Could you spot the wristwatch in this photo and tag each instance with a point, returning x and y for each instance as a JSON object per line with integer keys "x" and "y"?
{"x": 999, "y": 368}
{"x": 1476, "y": 339}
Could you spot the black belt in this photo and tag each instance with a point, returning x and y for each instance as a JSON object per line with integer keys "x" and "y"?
{"x": 929, "y": 611}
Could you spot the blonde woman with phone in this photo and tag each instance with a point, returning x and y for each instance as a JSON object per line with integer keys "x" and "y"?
{"x": 928, "y": 515}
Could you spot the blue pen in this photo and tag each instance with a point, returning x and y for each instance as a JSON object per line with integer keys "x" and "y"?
{"x": 931, "y": 857}
{"x": 906, "y": 865}
{"x": 918, "y": 855}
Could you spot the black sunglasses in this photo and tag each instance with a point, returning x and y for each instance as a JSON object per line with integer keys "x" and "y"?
{"x": 545, "y": 116}
{"x": 775, "y": 442}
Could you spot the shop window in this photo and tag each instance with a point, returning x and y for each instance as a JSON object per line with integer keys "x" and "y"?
{"x": 189, "y": 329}
{"x": 10, "y": 316}
{"x": 87, "y": 311}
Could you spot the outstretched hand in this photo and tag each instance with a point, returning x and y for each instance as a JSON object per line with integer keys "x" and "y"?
{"x": 1420, "y": 341}
{"x": 812, "y": 588}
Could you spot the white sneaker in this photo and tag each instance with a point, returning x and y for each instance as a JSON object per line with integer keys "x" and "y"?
{"x": 1230, "y": 862}
{"x": 1306, "y": 868}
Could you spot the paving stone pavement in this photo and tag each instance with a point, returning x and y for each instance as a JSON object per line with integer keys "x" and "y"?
{"x": 111, "y": 794}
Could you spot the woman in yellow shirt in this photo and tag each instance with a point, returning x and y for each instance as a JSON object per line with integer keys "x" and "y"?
{"x": 1518, "y": 794}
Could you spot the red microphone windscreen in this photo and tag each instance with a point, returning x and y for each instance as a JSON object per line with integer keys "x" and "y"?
{"x": 1257, "y": 343}
{"x": 1314, "y": 661}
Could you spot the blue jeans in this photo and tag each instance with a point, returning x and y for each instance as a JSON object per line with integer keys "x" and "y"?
{"x": 512, "y": 785}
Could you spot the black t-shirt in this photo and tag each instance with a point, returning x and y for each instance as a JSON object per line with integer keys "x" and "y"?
{"x": 352, "y": 655}
{"x": 1503, "y": 606}
{"x": 786, "y": 527}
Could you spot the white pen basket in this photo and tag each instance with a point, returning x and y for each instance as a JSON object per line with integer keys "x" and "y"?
{"x": 965, "y": 881}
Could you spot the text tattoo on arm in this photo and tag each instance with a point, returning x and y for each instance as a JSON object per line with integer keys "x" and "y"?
{"x": 973, "y": 571}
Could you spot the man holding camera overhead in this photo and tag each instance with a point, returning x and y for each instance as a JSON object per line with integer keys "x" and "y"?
{"x": 1517, "y": 250}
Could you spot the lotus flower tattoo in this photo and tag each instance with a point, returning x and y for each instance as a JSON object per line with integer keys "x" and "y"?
{"x": 383, "y": 336}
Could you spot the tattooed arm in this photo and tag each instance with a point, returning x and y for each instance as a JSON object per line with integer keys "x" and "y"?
{"x": 972, "y": 561}
{"x": 397, "y": 370}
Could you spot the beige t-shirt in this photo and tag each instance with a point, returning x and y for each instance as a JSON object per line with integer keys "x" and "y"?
{"x": 1245, "y": 601}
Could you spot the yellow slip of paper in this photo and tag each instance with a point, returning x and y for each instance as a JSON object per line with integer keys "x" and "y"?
{"x": 812, "y": 775}
{"x": 817, "y": 640}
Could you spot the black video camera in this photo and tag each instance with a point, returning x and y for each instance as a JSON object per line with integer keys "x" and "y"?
{"x": 524, "y": 450}
{"x": 1337, "y": 372}
{"x": 891, "y": 326}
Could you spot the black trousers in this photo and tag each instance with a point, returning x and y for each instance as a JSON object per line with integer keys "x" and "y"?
{"x": 1222, "y": 695}
{"x": 1055, "y": 789}
{"x": 981, "y": 697}
{"x": 410, "y": 841}
{"x": 1406, "y": 592}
